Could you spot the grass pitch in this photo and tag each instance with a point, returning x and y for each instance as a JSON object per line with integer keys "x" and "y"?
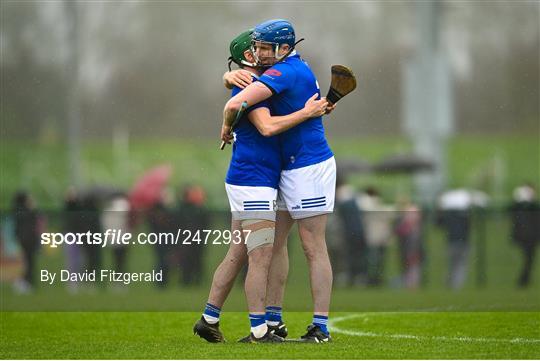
{"x": 375, "y": 335}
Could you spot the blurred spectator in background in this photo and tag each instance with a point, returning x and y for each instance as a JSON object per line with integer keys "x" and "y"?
{"x": 115, "y": 216}
{"x": 408, "y": 228}
{"x": 355, "y": 248}
{"x": 73, "y": 222}
{"x": 195, "y": 217}
{"x": 161, "y": 220}
{"x": 525, "y": 216}
{"x": 29, "y": 225}
{"x": 11, "y": 258}
{"x": 455, "y": 218}
{"x": 91, "y": 219}
{"x": 377, "y": 222}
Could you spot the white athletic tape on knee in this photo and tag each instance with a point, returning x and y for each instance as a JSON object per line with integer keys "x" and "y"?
{"x": 262, "y": 233}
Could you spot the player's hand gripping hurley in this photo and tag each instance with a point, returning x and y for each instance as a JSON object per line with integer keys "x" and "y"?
{"x": 239, "y": 114}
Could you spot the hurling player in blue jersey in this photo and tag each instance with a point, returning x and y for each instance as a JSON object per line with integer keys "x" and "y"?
{"x": 251, "y": 183}
{"x": 307, "y": 183}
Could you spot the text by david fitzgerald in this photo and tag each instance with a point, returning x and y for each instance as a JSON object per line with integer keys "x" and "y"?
{"x": 105, "y": 275}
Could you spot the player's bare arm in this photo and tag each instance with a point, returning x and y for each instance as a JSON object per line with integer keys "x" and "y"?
{"x": 240, "y": 78}
{"x": 269, "y": 125}
{"x": 252, "y": 94}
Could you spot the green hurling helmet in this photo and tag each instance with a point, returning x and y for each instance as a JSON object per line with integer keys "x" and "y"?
{"x": 237, "y": 48}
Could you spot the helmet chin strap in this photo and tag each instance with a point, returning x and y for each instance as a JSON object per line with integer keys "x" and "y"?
{"x": 242, "y": 62}
{"x": 247, "y": 63}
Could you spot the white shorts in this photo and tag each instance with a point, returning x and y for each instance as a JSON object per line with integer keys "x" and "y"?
{"x": 252, "y": 202}
{"x": 308, "y": 191}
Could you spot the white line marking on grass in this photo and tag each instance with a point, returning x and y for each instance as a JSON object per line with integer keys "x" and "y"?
{"x": 333, "y": 328}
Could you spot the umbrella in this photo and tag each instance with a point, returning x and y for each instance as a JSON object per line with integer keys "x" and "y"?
{"x": 403, "y": 163}
{"x": 147, "y": 190}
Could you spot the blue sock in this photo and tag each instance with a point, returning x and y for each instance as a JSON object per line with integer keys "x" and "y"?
{"x": 211, "y": 313}
{"x": 256, "y": 319}
{"x": 273, "y": 315}
{"x": 322, "y": 322}
{"x": 258, "y": 325}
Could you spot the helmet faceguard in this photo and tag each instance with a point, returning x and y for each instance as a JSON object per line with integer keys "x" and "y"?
{"x": 275, "y": 47}
{"x": 258, "y": 60}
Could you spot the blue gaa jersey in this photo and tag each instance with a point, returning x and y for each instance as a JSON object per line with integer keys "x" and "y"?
{"x": 256, "y": 160}
{"x": 292, "y": 83}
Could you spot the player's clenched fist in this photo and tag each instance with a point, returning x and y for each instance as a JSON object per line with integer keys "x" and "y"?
{"x": 226, "y": 136}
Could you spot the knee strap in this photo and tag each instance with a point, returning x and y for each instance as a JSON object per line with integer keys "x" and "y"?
{"x": 261, "y": 235}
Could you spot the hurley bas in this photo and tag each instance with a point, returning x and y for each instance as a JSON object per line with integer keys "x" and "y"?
{"x": 101, "y": 276}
